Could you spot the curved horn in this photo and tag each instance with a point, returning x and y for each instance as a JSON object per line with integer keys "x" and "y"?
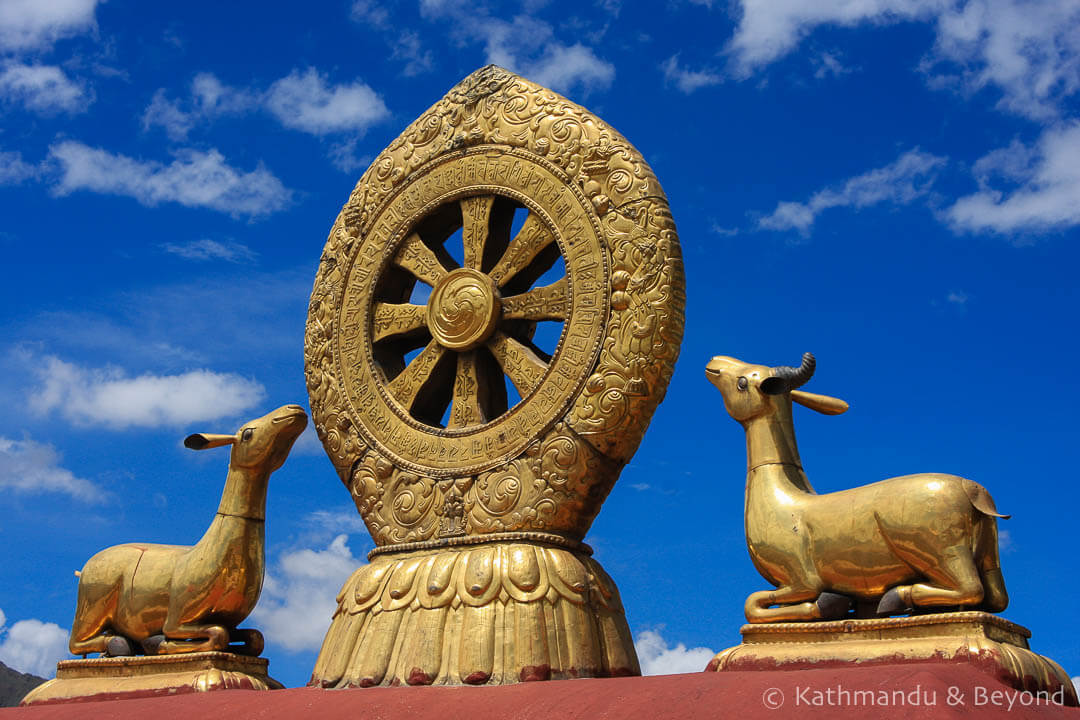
{"x": 797, "y": 377}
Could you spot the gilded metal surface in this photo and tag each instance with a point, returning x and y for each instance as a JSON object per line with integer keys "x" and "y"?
{"x": 112, "y": 678}
{"x": 911, "y": 542}
{"x": 515, "y": 207}
{"x": 167, "y": 599}
{"x": 494, "y": 613}
{"x": 992, "y": 643}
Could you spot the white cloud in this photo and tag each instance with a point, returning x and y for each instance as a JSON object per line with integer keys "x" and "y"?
{"x": 770, "y": 29}
{"x": 1030, "y": 51}
{"x": 369, "y": 12}
{"x": 193, "y": 179}
{"x": 43, "y": 89}
{"x": 687, "y": 80}
{"x": 30, "y": 467}
{"x": 304, "y": 101}
{"x": 14, "y": 170}
{"x": 209, "y": 98}
{"x": 565, "y": 67}
{"x": 298, "y": 597}
{"x": 32, "y": 646}
{"x": 1045, "y": 187}
{"x": 407, "y": 47}
{"x": 168, "y": 114}
{"x": 657, "y": 658}
{"x": 901, "y": 182}
{"x": 525, "y": 45}
{"x": 109, "y": 397}
{"x": 829, "y": 64}
{"x": 37, "y": 24}
{"x": 207, "y": 249}
{"x": 640, "y": 487}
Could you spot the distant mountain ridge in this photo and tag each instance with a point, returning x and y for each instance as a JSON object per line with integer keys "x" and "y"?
{"x": 14, "y": 685}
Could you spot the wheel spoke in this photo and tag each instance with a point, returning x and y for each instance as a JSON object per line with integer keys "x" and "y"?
{"x": 408, "y": 384}
{"x": 542, "y": 303}
{"x": 475, "y": 216}
{"x": 467, "y": 407}
{"x": 391, "y": 319}
{"x": 533, "y": 237}
{"x": 518, "y": 361}
{"x": 418, "y": 258}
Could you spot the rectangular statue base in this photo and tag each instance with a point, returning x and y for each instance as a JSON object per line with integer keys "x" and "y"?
{"x": 111, "y": 678}
{"x": 988, "y": 642}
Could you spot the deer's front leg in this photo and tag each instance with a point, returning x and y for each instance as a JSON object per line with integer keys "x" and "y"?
{"x": 178, "y": 639}
{"x": 793, "y": 605}
{"x": 252, "y": 641}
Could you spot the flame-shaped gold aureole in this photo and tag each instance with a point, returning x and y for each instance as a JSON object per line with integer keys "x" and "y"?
{"x": 471, "y": 449}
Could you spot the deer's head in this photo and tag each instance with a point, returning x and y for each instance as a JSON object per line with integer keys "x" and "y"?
{"x": 751, "y": 391}
{"x": 261, "y": 443}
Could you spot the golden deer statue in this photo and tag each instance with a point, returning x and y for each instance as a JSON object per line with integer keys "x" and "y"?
{"x": 911, "y": 542}
{"x": 174, "y": 599}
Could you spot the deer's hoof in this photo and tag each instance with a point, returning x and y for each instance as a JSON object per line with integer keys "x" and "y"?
{"x": 118, "y": 646}
{"x": 151, "y": 644}
{"x": 893, "y": 603}
{"x": 832, "y": 606}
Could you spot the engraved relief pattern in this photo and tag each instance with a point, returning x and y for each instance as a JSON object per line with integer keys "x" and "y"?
{"x": 565, "y": 475}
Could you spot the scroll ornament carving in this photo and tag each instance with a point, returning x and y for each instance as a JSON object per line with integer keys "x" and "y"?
{"x": 478, "y": 502}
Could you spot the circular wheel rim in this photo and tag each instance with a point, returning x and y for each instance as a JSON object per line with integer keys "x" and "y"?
{"x": 475, "y": 329}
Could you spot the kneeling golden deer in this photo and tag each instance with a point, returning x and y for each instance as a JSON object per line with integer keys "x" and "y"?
{"x": 911, "y": 542}
{"x": 176, "y": 599}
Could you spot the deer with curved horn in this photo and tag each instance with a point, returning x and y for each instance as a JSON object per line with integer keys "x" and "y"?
{"x": 906, "y": 543}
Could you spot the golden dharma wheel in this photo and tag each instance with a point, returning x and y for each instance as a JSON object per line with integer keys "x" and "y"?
{"x": 497, "y": 313}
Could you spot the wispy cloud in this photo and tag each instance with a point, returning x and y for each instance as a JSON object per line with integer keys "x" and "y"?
{"x": 298, "y": 597}
{"x": 27, "y": 25}
{"x": 1027, "y": 50}
{"x": 30, "y": 467}
{"x": 108, "y": 397}
{"x": 209, "y": 99}
{"x": 194, "y": 179}
{"x": 207, "y": 249}
{"x": 525, "y": 45}
{"x": 43, "y": 89}
{"x": 14, "y": 170}
{"x": 1038, "y": 188}
{"x": 687, "y": 81}
{"x": 957, "y": 297}
{"x": 32, "y": 646}
{"x": 657, "y": 658}
{"x": 770, "y": 29}
{"x": 901, "y": 182}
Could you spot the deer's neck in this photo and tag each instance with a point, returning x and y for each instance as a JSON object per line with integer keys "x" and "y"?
{"x": 772, "y": 457}
{"x": 245, "y": 494}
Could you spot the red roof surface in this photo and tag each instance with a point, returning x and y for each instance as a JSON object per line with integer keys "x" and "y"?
{"x": 744, "y": 695}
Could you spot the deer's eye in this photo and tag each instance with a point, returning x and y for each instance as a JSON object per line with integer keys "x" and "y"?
{"x": 742, "y": 383}
{"x": 247, "y": 435}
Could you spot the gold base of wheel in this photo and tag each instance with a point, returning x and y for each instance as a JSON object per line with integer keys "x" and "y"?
{"x": 491, "y": 614}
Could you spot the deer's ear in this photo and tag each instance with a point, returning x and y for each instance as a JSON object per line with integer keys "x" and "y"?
{"x": 203, "y": 441}
{"x": 773, "y": 385}
{"x": 822, "y": 403}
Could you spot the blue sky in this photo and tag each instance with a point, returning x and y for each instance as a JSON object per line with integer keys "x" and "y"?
{"x": 891, "y": 184}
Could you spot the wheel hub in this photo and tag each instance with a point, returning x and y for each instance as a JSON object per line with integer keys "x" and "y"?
{"x": 463, "y": 309}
